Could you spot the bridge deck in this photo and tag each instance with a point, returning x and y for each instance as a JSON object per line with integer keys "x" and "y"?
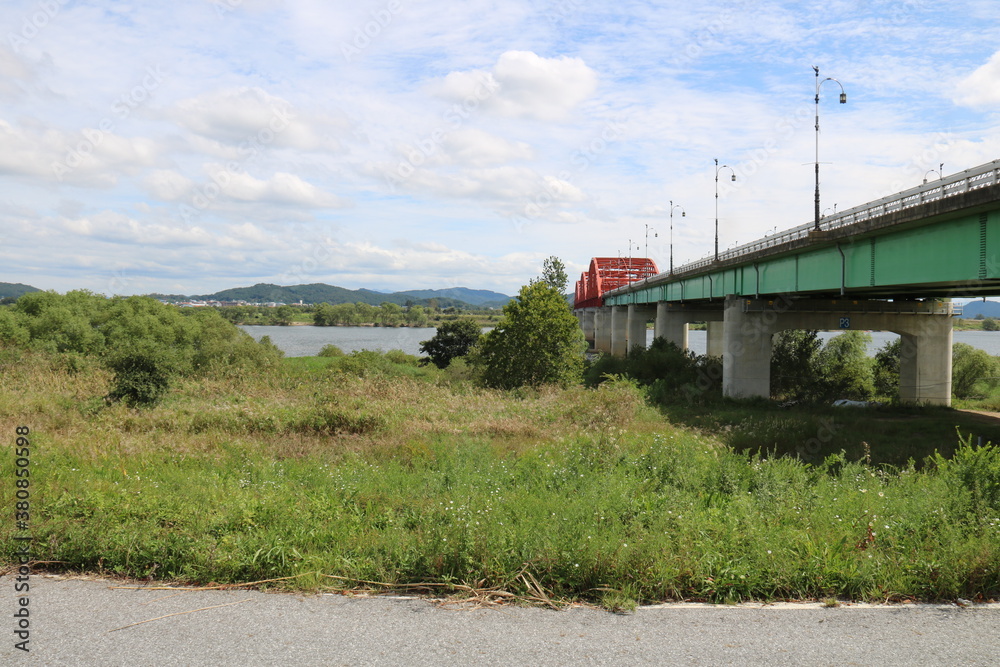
{"x": 938, "y": 240}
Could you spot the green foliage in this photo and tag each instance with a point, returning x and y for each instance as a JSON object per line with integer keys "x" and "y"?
{"x": 885, "y": 369}
{"x": 193, "y": 340}
{"x": 846, "y": 367}
{"x": 330, "y": 350}
{"x": 12, "y": 328}
{"x": 795, "y": 364}
{"x": 374, "y": 364}
{"x": 991, "y": 324}
{"x": 672, "y": 375}
{"x": 537, "y": 341}
{"x": 141, "y": 376}
{"x": 554, "y": 274}
{"x": 452, "y": 340}
{"x": 973, "y": 371}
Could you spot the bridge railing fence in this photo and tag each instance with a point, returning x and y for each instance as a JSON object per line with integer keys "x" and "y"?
{"x": 970, "y": 179}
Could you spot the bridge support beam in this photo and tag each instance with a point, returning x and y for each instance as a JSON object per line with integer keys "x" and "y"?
{"x": 924, "y": 326}
{"x": 671, "y": 325}
{"x": 619, "y": 330}
{"x": 672, "y": 321}
{"x": 588, "y": 322}
{"x": 638, "y": 316}
{"x": 715, "y": 339}
{"x": 602, "y": 330}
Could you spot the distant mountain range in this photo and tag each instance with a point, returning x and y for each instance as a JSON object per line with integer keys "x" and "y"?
{"x": 14, "y": 290}
{"x": 458, "y": 297}
{"x": 980, "y": 307}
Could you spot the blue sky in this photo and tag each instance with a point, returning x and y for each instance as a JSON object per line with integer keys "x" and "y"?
{"x": 191, "y": 146}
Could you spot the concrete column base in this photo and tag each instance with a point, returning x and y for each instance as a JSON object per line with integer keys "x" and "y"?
{"x": 619, "y": 330}
{"x": 602, "y": 330}
{"x": 638, "y": 316}
{"x": 716, "y": 342}
{"x": 925, "y": 328}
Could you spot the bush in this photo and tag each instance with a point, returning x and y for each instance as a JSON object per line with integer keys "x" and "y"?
{"x": 141, "y": 377}
{"x": 330, "y": 350}
{"x": 452, "y": 340}
{"x": 973, "y": 371}
{"x": 885, "y": 370}
{"x": 672, "y": 374}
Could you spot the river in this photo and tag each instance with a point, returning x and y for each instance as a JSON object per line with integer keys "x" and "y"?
{"x": 304, "y": 341}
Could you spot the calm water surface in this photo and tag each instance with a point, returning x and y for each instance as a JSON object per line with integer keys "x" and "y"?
{"x": 306, "y": 341}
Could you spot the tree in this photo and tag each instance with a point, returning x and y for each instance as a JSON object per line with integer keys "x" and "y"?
{"x": 991, "y": 324}
{"x": 886, "y": 368}
{"x": 794, "y": 364}
{"x": 554, "y": 273}
{"x": 537, "y": 341}
{"x": 452, "y": 340}
{"x": 845, "y": 366}
{"x": 972, "y": 368}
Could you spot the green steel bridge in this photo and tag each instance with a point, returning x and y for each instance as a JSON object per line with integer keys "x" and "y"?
{"x": 941, "y": 239}
{"x": 889, "y": 265}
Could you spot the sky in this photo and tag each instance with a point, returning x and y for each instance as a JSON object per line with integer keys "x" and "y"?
{"x": 190, "y": 146}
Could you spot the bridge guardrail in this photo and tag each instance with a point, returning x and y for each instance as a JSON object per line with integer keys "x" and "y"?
{"x": 966, "y": 181}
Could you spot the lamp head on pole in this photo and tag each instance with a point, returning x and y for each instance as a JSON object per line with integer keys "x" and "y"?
{"x": 843, "y": 98}
{"x": 734, "y": 177}
{"x": 683, "y": 214}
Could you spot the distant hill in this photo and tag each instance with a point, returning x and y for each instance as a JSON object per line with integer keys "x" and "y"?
{"x": 459, "y": 297}
{"x": 481, "y": 298}
{"x": 984, "y": 308}
{"x": 15, "y": 290}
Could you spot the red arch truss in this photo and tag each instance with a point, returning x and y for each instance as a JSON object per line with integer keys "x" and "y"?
{"x": 608, "y": 273}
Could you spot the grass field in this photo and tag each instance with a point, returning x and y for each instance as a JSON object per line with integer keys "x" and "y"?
{"x": 355, "y": 469}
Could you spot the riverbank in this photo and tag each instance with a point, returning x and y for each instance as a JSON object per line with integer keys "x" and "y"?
{"x": 374, "y": 471}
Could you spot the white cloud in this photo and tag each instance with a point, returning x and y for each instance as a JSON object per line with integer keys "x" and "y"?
{"x": 982, "y": 87}
{"x": 525, "y": 85}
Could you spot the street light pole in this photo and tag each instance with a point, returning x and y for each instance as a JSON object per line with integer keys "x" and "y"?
{"x": 843, "y": 100}
{"x": 683, "y": 214}
{"x": 717, "y": 170}
{"x": 655, "y": 236}
{"x": 939, "y": 171}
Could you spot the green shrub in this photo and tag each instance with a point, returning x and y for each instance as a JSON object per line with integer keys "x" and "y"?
{"x": 141, "y": 377}
{"x": 972, "y": 371}
{"x": 330, "y": 350}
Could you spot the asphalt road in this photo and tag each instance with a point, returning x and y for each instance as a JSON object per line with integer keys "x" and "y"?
{"x": 76, "y": 622}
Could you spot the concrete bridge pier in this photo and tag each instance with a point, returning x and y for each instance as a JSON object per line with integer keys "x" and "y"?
{"x": 925, "y": 328}
{"x": 638, "y": 316}
{"x": 715, "y": 339}
{"x": 924, "y": 368}
{"x": 672, "y": 321}
{"x": 619, "y": 330}
{"x": 671, "y": 324}
{"x": 602, "y": 330}
{"x": 588, "y": 322}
